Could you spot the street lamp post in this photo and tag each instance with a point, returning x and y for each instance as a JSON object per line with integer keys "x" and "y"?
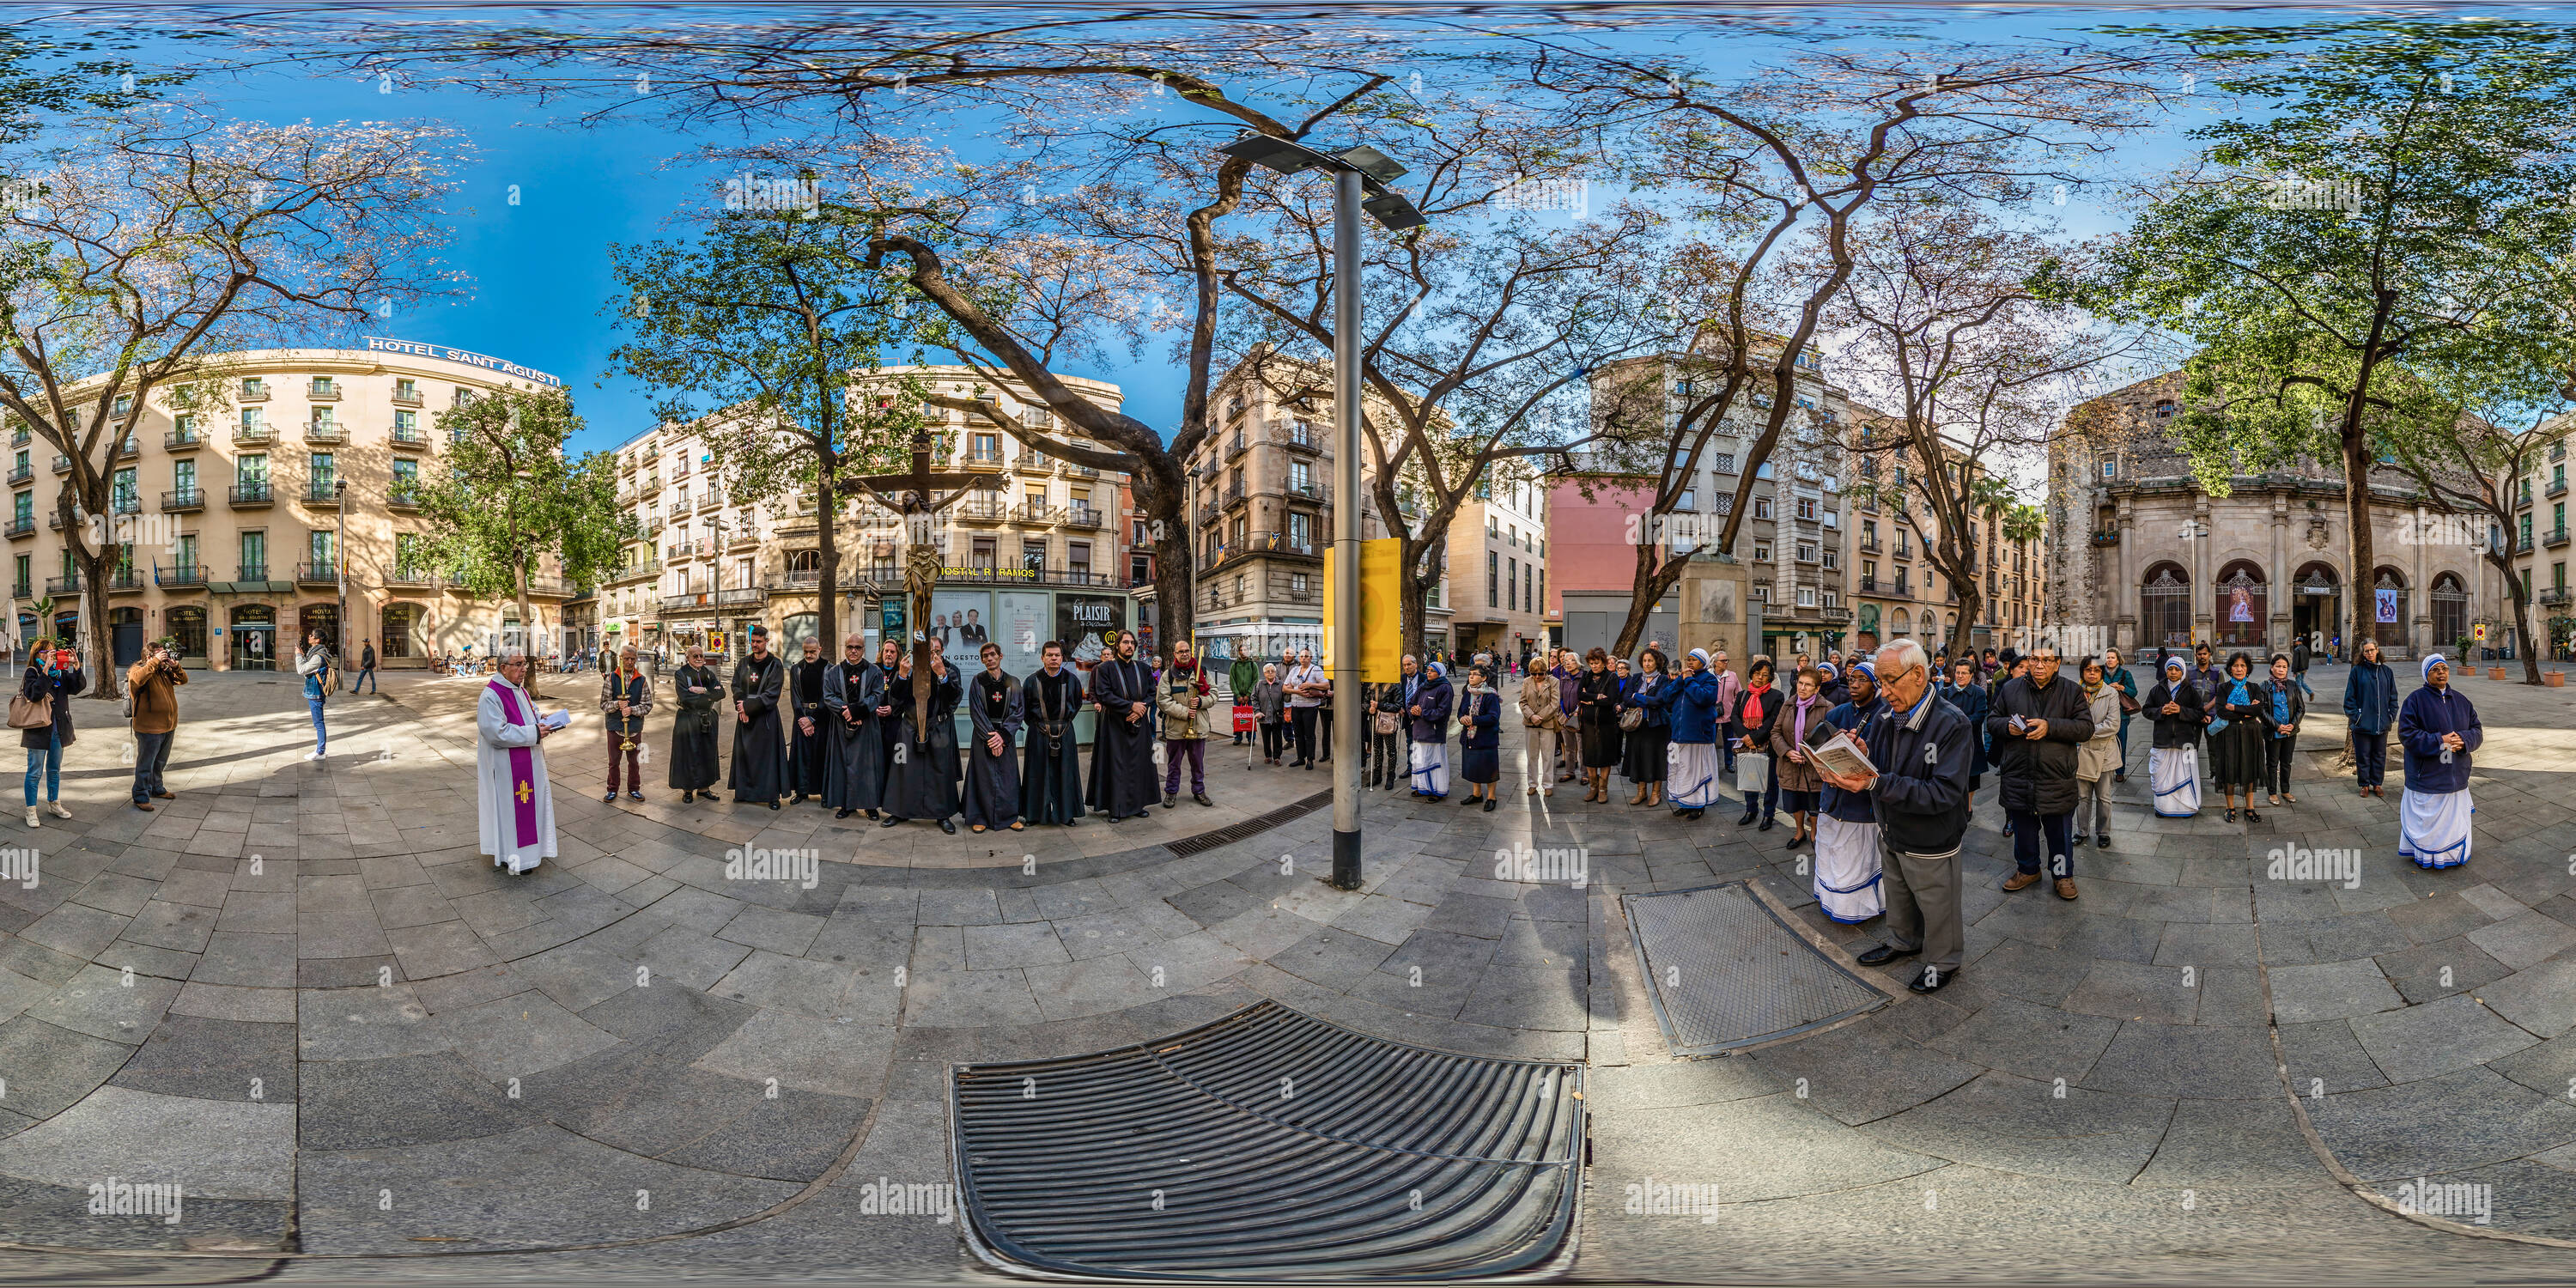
{"x": 340, "y": 493}
{"x": 1360, "y": 175}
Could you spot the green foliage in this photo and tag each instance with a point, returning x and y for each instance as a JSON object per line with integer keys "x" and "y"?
{"x": 504, "y": 494}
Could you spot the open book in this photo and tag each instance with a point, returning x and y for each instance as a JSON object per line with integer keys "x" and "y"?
{"x": 1841, "y": 755}
{"x": 557, "y": 718}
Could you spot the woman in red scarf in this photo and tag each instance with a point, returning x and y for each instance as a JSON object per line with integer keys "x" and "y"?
{"x": 1755, "y": 713}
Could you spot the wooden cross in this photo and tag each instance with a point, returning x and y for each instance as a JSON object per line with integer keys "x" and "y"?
{"x": 915, "y": 496}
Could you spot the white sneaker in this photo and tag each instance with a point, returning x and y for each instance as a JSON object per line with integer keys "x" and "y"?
{"x": 313, "y": 755}
{"x": 58, "y": 810}
{"x": 32, "y": 820}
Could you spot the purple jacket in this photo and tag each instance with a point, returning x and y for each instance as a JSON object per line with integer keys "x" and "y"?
{"x": 1566, "y": 684}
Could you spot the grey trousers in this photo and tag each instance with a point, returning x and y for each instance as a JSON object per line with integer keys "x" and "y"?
{"x": 2093, "y": 801}
{"x": 1923, "y": 906}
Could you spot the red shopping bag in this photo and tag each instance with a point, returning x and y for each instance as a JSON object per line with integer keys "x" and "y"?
{"x": 1243, "y": 719}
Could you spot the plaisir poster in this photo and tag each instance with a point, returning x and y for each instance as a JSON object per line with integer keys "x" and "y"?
{"x": 1083, "y": 622}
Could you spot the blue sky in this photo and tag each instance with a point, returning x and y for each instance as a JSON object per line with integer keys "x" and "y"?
{"x": 541, "y": 266}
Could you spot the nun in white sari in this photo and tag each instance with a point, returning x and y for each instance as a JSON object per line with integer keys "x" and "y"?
{"x": 1430, "y": 713}
{"x": 2439, "y": 729}
{"x": 2173, "y": 766}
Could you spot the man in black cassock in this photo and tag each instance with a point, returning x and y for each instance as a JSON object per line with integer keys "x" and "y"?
{"x": 759, "y": 745}
{"x": 694, "y": 755}
{"x": 994, "y": 701}
{"x": 805, "y": 754}
{"x": 923, "y": 782}
{"x": 1051, "y": 774}
{"x": 889, "y": 666}
{"x": 1123, "y": 782}
{"x": 854, "y": 736}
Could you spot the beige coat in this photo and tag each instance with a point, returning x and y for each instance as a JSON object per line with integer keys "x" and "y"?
{"x": 1186, "y": 712}
{"x": 2100, "y": 754}
{"x": 1542, "y": 702}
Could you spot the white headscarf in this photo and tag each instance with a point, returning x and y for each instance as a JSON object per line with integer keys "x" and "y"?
{"x": 2432, "y": 660}
{"x": 1702, "y": 655}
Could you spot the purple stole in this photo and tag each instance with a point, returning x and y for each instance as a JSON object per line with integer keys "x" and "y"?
{"x": 523, "y": 770}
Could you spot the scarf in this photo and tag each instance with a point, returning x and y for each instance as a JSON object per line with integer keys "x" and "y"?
{"x": 523, "y": 775}
{"x": 1798, "y": 722}
{"x": 2092, "y": 687}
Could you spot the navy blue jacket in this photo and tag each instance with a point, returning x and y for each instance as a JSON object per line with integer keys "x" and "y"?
{"x": 1850, "y": 807}
{"x": 1481, "y": 712}
{"x": 1653, "y": 702}
{"x": 1922, "y": 789}
{"x": 2428, "y": 714}
{"x": 1971, "y": 702}
{"x": 1433, "y": 724}
{"x": 1692, "y": 705}
{"x": 2370, "y": 697}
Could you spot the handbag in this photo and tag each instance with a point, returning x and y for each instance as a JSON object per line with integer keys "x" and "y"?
{"x": 1631, "y": 718}
{"x": 1752, "y": 771}
{"x": 1388, "y": 723}
{"x": 2218, "y": 726}
{"x": 31, "y": 713}
{"x": 2128, "y": 705}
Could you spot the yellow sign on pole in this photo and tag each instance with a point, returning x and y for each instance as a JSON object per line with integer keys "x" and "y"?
{"x": 1381, "y": 624}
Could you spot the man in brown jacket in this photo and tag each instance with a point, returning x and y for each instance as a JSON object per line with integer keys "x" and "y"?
{"x": 154, "y": 681}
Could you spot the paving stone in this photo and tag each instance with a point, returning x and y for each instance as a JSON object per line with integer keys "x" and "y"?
{"x": 2379, "y": 1132}
{"x": 215, "y": 1059}
{"x": 1858, "y": 1073}
{"x": 2436, "y": 1038}
{"x": 2541, "y": 999}
{"x": 364, "y": 1024}
{"x": 2524, "y": 940}
{"x": 2020, "y": 1125}
{"x": 2032, "y": 1040}
{"x": 2187, "y": 1061}
{"x": 51, "y": 1068}
{"x": 2129, "y": 991}
{"x": 2331, "y": 991}
{"x": 221, "y": 1149}
{"x": 105, "y": 1003}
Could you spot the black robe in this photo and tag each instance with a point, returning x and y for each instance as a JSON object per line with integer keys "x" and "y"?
{"x": 993, "y": 782}
{"x": 1051, "y": 772}
{"x": 854, "y": 738}
{"x": 1123, "y": 781}
{"x": 805, "y": 754}
{"x": 923, "y": 781}
{"x": 694, "y": 758}
{"x": 759, "y": 747}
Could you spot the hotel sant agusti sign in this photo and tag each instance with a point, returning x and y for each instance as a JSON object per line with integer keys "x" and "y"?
{"x": 447, "y": 353}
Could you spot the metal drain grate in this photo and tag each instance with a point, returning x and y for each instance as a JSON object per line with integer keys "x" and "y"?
{"x": 1250, "y": 827}
{"x": 1269, "y": 1145}
{"x": 1726, "y": 972}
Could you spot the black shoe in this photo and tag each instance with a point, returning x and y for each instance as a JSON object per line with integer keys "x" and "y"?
{"x": 890, "y": 820}
{"x": 1467, "y": 800}
{"x": 2231, "y": 814}
{"x": 1932, "y": 981}
{"x": 800, "y": 799}
{"x": 2007, "y": 829}
{"x": 1694, "y": 814}
{"x": 2103, "y": 841}
{"x": 1795, "y": 842}
{"x": 1884, "y": 954}
{"x": 1747, "y": 820}
{"x": 1201, "y": 798}
{"x": 1489, "y": 804}
{"x": 872, "y": 813}
{"x": 842, "y": 813}
{"x": 2251, "y": 816}
{"x": 1766, "y": 825}
{"x": 686, "y": 797}
{"x": 948, "y": 826}
{"x": 773, "y": 804}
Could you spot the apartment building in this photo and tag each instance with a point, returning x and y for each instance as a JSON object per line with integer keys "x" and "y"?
{"x": 2540, "y": 551}
{"x": 1499, "y": 540}
{"x": 242, "y": 519}
{"x": 1262, "y": 506}
{"x": 1032, "y": 555}
{"x": 1898, "y": 591}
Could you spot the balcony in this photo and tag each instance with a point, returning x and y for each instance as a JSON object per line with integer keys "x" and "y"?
{"x": 254, "y": 391}
{"x": 1073, "y": 471}
{"x": 2522, "y": 544}
{"x": 247, "y": 434}
{"x": 551, "y": 588}
{"x": 2524, "y": 502}
{"x": 185, "y": 576}
{"x": 2554, "y": 538}
{"x": 1235, "y": 444}
{"x": 54, "y": 520}
{"x": 1035, "y": 462}
{"x": 1309, "y": 490}
{"x": 985, "y": 462}
{"x": 804, "y": 578}
{"x": 710, "y": 501}
{"x": 411, "y": 438}
{"x": 182, "y": 440}
{"x": 2106, "y": 536}
{"x": 741, "y": 596}
{"x": 679, "y": 550}
{"x": 326, "y": 431}
{"x": 322, "y": 391}
{"x": 403, "y": 398}
{"x": 22, "y": 526}
{"x": 324, "y": 491}
{"x": 1267, "y": 543}
{"x": 253, "y": 494}
{"x": 23, "y": 591}
{"x": 125, "y": 580}
{"x": 253, "y": 572}
{"x": 21, "y": 474}
{"x": 1834, "y": 616}
{"x": 1299, "y": 435}
{"x": 2550, "y": 596}
{"x": 1036, "y": 512}
{"x": 637, "y": 571}
{"x": 62, "y": 464}
{"x": 1870, "y": 586}
{"x": 125, "y": 503}
{"x": 2557, "y": 487}
{"x": 979, "y": 511}
{"x": 1233, "y": 495}
{"x": 1083, "y": 516}
{"x": 21, "y": 436}
{"x": 131, "y": 449}
{"x": 63, "y": 585}
{"x": 411, "y": 577}
{"x": 317, "y": 574}
{"x": 399, "y": 497}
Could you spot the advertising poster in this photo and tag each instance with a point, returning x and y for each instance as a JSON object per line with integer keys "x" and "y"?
{"x": 959, "y": 625}
{"x": 2240, "y": 605}
{"x": 1083, "y": 622}
{"x": 1022, "y": 624}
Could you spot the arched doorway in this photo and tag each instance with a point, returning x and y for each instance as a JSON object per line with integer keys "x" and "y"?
{"x": 2450, "y": 611}
{"x": 254, "y": 638}
{"x": 1898, "y": 625}
{"x": 2164, "y": 607}
{"x": 2388, "y": 609}
{"x": 2244, "y": 606}
{"x": 186, "y": 623}
{"x": 319, "y": 617}
{"x": 2316, "y": 603}
{"x": 394, "y": 632}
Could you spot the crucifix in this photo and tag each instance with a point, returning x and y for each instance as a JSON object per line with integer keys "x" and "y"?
{"x": 915, "y": 496}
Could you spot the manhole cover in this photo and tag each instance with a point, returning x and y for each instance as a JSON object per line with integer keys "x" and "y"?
{"x": 1726, "y": 972}
{"x": 1269, "y": 1145}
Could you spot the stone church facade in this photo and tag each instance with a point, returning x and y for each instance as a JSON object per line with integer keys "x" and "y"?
{"x": 2141, "y": 556}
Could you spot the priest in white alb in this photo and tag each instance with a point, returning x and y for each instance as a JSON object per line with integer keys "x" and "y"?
{"x": 514, "y": 813}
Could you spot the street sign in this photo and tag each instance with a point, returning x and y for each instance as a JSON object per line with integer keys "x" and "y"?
{"x": 1381, "y": 622}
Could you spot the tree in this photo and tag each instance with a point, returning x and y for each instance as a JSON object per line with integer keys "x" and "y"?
{"x": 2371, "y": 222}
{"x": 1480, "y": 330}
{"x": 1776, "y": 168}
{"x": 1968, "y": 361}
{"x": 771, "y": 325}
{"x": 160, "y": 239}
{"x": 505, "y": 495}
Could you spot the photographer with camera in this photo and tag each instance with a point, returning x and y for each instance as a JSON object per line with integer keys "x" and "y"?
{"x": 153, "y": 686}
